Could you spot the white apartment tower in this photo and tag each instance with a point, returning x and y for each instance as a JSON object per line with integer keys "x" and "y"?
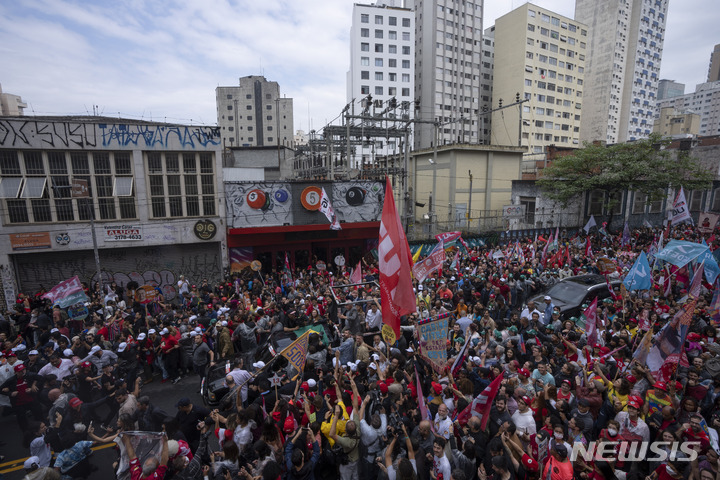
{"x": 623, "y": 66}
{"x": 382, "y": 53}
{"x": 542, "y": 61}
{"x": 448, "y": 58}
{"x": 704, "y": 101}
{"x": 254, "y": 114}
{"x": 486, "y": 80}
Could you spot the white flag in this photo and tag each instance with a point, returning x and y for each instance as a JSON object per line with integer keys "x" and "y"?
{"x": 591, "y": 223}
{"x": 329, "y": 211}
{"x": 680, "y": 211}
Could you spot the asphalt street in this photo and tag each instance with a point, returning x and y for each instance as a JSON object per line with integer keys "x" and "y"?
{"x": 163, "y": 395}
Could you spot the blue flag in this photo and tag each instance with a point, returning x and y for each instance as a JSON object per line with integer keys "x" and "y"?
{"x": 638, "y": 278}
{"x": 712, "y": 270}
{"x": 680, "y": 253}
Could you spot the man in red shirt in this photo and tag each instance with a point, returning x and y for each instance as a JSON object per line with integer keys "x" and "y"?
{"x": 22, "y": 391}
{"x": 169, "y": 347}
{"x": 151, "y": 469}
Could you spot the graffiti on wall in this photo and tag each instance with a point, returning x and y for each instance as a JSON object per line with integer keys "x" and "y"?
{"x": 156, "y": 266}
{"x": 279, "y": 203}
{"x": 43, "y": 134}
{"x": 258, "y": 204}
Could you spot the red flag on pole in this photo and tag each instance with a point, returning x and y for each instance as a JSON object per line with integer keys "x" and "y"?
{"x": 396, "y": 289}
{"x": 356, "y": 276}
{"x": 480, "y": 407}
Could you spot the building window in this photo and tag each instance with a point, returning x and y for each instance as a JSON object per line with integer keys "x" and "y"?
{"x": 392, "y": 63}
{"x": 378, "y": 33}
{"x": 365, "y": 32}
{"x": 365, "y": 61}
{"x": 639, "y": 203}
{"x": 405, "y": 92}
{"x": 406, "y": 50}
{"x": 406, "y": 22}
{"x": 696, "y": 197}
{"x": 364, "y": 47}
{"x": 378, "y": 90}
{"x": 406, "y": 64}
{"x": 365, "y": 75}
{"x": 364, "y": 18}
{"x": 392, "y": 35}
{"x": 596, "y": 202}
{"x": 378, "y": 62}
{"x": 181, "y": 189}
{"x": 378, "y": 76}
{"x": 392, "y": 21}
{"x": 392, "y": 49}
{"x": 378, "y": 20}
{"x": 40, "y": 192}
{"x": 364, "y": 89}
{"x": 529, "y": 203}
{"x": 378, "y": 48}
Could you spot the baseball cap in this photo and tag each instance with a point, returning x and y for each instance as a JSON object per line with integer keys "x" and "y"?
{"x": 30, "y": 462}
{"x": 183, "y": 402}
{"x": 530, "y": 464}
{"x": 661, "y": 386}
{"x": 75, "y": 402}
{"x": 547, "y": 297}
{"x": 95, "y": 349}
{"x": 68, "y": 353}
{"x": 527, "y": 400}
{"x": 122, "y": 347}
{"x": 634, "y": 402}
{"x": 142, "y": 336}
{"x": 258, "y": 365}
{"x": 33, "y": 352}
{"x": 164, "y": 331}
{"x": 223, "y": 323}
{"x": 19, "y": 367}
{"x": 193, "y": 333}
{"x": 523, "y": 372}
{"x": 311, "y": 383}
{"x": 151, "y": 331}
{"x": 383, "y": 388}
{"x": 561, "y": 450}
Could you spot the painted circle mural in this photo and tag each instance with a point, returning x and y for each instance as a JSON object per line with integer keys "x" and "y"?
{"x": 310, "y": 198}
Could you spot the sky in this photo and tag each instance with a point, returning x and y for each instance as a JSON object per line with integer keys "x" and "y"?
{"x": 162, "y": 60}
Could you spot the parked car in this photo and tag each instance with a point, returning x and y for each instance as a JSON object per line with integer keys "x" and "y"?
{"x": 213, "y": 387}
{"x": 571, "y": 293}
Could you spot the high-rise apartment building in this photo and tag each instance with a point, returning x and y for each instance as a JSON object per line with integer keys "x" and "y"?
{"x": 669, "y": 89}
{"x": 486, "y": 79}
{"x": 541, "y": 59}
{"x": 448, "y": 53}
{"x": 382, "y": 53}
{"x": 704, "y": 101}
{"x": 254, "y": 114}
{"x": 714, "y": 67}
{"x": 623, "y": 66}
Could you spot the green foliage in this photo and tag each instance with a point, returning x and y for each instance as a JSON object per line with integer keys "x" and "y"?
{"x": 644, "y": 166}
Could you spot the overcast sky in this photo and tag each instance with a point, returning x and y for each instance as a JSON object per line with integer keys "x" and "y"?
{"x": 162, "y": 60}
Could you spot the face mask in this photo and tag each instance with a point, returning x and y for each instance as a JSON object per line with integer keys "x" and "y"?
{"x": 559, "y": 436}
{"x": 612, "y": 432}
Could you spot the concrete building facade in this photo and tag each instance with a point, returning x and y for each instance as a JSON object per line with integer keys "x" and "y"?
{"x": 675, "y": 124}
{"x": 253, "y": 114}
{"x": 448, "y": 53}
{"x": 543, "y": 61}
{"x": 714, "y": 67}
{"x": 704, "y": 101}
{"x": 623, "y": 65}
{"x": 11, "y": 105}
{"x": 153, "y": 189}
{"x": 669, "y": 89}
{"x": 486, "y": 86}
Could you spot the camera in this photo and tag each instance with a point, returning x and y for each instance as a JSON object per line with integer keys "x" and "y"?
{"x": 395, "y": 422}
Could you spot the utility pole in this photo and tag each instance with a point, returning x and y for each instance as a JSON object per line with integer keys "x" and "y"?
{"x": 434, "y": 188}
{"x": 79, "y": 189}
{"x": 469, "y": 211}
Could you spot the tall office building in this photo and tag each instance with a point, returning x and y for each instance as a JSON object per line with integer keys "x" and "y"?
{"x": 253, "y": 114}
{"x": 623, "y": 66}
{"x": 486, "y": 79}
{"x": 669, "y": 89}
{"x": 541, "y": 59}
{"x": 448, "y": 52}
{"x": 714, "y": 67}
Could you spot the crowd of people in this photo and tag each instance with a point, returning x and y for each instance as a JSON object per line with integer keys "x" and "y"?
{"x": 364, "y": 408}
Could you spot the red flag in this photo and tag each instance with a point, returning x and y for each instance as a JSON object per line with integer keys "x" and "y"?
{"x": 396, "y": 289}
{"x": 356, "y": 276}
{"x": 591, "y": 322}
{"x": 480, "y": 407}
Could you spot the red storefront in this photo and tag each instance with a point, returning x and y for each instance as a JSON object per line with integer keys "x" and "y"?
{"x": 303, "y": 243}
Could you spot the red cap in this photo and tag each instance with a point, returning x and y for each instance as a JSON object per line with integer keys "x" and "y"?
{"x": 75, "y": 402}
{"x": 437, "y": 388}
{"x": 631, "y": 378}
{"x": 678, "y": 385}
{"x": 527, "y": 400}
{"x": 19, "y": 367}
{"x": 530, "y": 464}
{"x": 661, "y": 386}
{"x": 383, "y": 388}
{"x": 523, "y": 372}
{"x": 86, "y": 364}
{"x": 289, "y": 425}
{"x": 305, "y": 387}
{"x": 635, "y": 401}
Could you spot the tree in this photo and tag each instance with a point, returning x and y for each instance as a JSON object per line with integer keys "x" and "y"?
{"x": 644, "y": 166}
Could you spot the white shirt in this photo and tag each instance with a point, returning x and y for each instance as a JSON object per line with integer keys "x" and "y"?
{"x": 524, "y": 422}
{"x": 241, "y": 377}
{"x": 373, "y": 320}
{"x": 442, "y": 465}
{"x": 442, "y": 427}
{"x": 62, "y": 371}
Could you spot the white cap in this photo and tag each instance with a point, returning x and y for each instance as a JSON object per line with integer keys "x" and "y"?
{"x": 164, "y": 331}
{"x": 151, "y": 331}
{"x": 142, "y": 336}
{"x": 192, "y": 318}
{"x": 373, "y": 365}
{"x": 258, "y": 365}
{"x": 477, "y": 360}
{"x": 353, "y": 366}
{"x": 193, "y": 333}
{"x": 223, "y": 323}
{"x": 68, "y": 353}
{"x": 452, "y": 279}
{"x": 321, "y": 299}
{"x": 409, "y": 349}
{"x": 311, "y": 383}
{"x": 376, "y": 357}
{"x": 547, "y": 297}
{"x": 30, "y": 462}
{"x": 94, "y": 349}
{"x": 54, "y": 330}
{"x": 33, "y": 352}
{"x": 122, "y": 347}
{"x": 198, "y": 330}
{"x": 420, "y": 287}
